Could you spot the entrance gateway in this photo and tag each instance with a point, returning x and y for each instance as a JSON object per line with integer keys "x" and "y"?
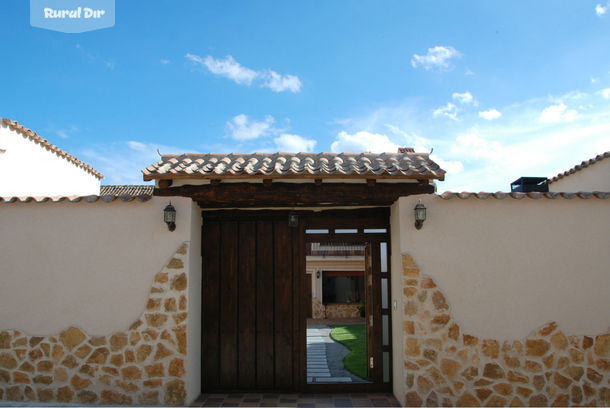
{"x": 260, "y": 211}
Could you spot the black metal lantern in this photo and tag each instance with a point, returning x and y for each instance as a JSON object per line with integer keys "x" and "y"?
{"x": 293, "y": 220}
{"x": 420, "y": 215}
{"x": 169, "y": 216}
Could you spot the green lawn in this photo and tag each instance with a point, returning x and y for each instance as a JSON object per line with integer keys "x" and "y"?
{"x": 352, "y": 336}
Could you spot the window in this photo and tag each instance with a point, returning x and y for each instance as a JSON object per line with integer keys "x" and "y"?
{"x": 342, "y": 287}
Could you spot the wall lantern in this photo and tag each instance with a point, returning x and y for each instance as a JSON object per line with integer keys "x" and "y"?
{"x": 420, "y": 215}
{"x": 293, "y": 220}
{"x": 318, "y": 274}
{"x": 169, "y": 216}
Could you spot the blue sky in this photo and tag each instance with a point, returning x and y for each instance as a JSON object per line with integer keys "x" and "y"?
{"x": 498, "y": 89}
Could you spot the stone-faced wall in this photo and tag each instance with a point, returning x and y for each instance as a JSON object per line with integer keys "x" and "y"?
{"x": 444, "y": 366}
{"x": 143, "y": 365}
{"x": 334, "y": 310}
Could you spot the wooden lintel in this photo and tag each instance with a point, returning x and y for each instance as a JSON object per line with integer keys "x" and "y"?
{"x": 423, "y": 181}
{"x": 165, "y": 183}
{"x": 215, "y": 182}
{"x": 295, "y": 195}
{"x": 267, "y": 182}
{"x": 318, "y": 181}
{"x": 371, "y": 182}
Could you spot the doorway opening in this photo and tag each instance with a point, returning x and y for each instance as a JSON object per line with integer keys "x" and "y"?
{"x": 347, "y": 279}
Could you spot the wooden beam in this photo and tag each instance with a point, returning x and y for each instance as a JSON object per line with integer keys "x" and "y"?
{"x": 318, "y": 181}
{"x": 294, "y": 195}
{"x": 267, "y": 182}
{"x": 215, "y": 182}
{"x": 371, "y": 182}
{"x": 165, "y": 183}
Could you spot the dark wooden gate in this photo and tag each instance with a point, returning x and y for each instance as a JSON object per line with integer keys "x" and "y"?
{"x": 251, "y": 301}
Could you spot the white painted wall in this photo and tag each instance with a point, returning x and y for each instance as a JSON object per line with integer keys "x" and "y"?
{"x": 85, "y": 264}
{"x": 509, "y": 266}
{"x": 596, "y": 177}
{"x": 28, "y": 169}
{"x": 397, "y": 285}
{"x": 193, "y": 363}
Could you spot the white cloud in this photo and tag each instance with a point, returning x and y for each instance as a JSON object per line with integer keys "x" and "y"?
{"x": 362, "y": 142}
{"x": 294, "y": 143}
{"x": 233, "y": 70}
{"x": 280, "y": 83}
{"x": 138, "y": 146}
{"x": 558, "y": 113}
{"x": 449, "y": 110}
{"x": 243, "y": 129}
{"x": 490, "y": 114}
{"x": 492, "y": 154}
{"x": 600, "y": 10}
{"x": 122, "y": 162}
{"x": 436, "y": 58}
{"x": 464, "y": 98}
{"x": 165, "y": 61}
{"x": 605, "y": 93}
{"x": 228, "y": 68}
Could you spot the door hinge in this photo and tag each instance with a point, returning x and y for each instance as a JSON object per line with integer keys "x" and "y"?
{"x": 371, "y": 362}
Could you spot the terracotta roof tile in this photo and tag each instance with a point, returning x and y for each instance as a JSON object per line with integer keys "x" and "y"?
{"x": 108, "y": 194}
{"x": 448, "y": 195}
{"x": 581, "y": 166}
{"x": 126, "y": 190}
{"x": 33, "y": 136}
{"x": 295, "y": 165}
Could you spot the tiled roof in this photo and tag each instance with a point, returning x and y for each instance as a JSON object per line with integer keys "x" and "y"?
{"x": 33, "y": 136}
{"x": 448, "y": 195}
{"x": 129, "y": 190}
{"x": 581, "y": 166}
{"x": 76, "y": 199}
{"x": 406, "y": 165}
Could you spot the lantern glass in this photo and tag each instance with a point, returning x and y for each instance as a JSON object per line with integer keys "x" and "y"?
{"x": 420, "y": 212}
{"x": 169, "y": 214}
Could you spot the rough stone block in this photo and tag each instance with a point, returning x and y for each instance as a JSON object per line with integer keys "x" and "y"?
{"x": 72, "y": 337}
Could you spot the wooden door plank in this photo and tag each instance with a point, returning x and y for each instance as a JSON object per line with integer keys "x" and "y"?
{"x": 210, "y": 312}
{"x": 299, "y": 318}
{"x": 228, "y": 305}
{"x": 264, "y": 305}
{"x": 247, "y": 305}
{"x": 283, "y": 311}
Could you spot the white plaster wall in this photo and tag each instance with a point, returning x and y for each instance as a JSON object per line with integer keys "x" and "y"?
{"x": 509, "y": 266}
{"x": 28, "y": 169}
{"x": 596, "y": 177}
{"x": 193, "y": 363}
{"x": 85, "y": 264}
{"x": 398, "y": 369}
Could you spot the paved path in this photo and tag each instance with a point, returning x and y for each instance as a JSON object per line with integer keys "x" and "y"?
{"x": 325, "y": 358}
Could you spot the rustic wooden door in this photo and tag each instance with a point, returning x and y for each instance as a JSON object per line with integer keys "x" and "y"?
{"x": 308, "y": 297}
{"x": 251, "y": 301}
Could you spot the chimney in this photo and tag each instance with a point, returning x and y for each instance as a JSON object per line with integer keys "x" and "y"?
{"x": 530, "y": 184}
